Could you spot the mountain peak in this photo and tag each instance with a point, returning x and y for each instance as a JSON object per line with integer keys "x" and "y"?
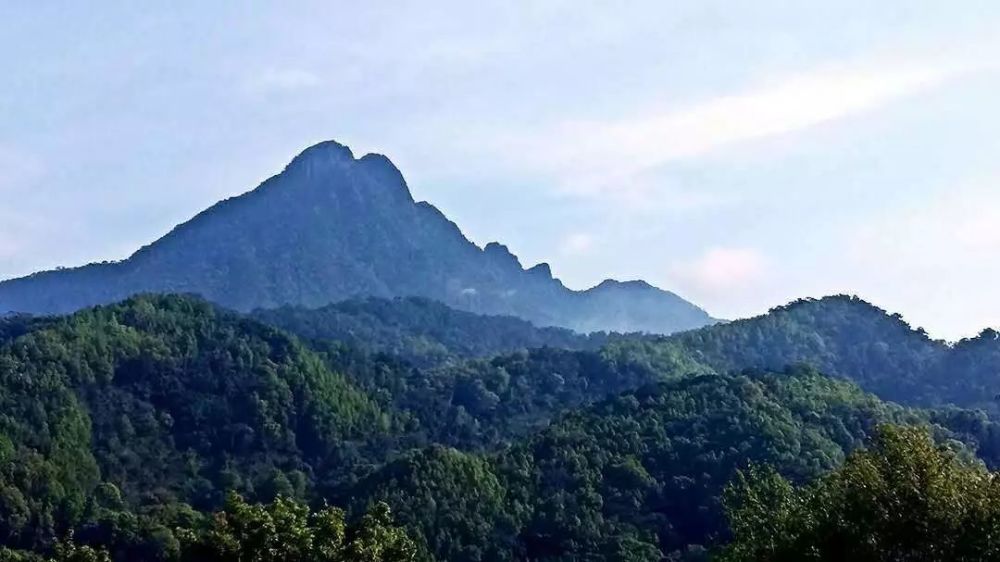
{"x": 332, "y": 227}
{"x": 608, "y": 284}
{"x": 330, "y": 165}
{"x": 322, "y": 154}
{"x": 541, "y": 270}
{"x": 501, "y": 253}
{"x": 382, "y": 171}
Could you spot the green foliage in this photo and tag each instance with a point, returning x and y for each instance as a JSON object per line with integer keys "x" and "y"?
{"x": 14, "y": 325}
{"x": 905, "y": 498}
{"x": 841, "y": 336}
{"x": 420, "y": 330}
{"x": 634, "y": 477}
{"x": 453, "y": 500}
{"x": 174, "y": 402}
{"x": 64, "y": 551}
{"x": 652, "y": 464}
{"x": 69, "y": 552}
{"x": 124, "y": 427}
{"x": 968, "y": 374}
{"x": 847, "y": 337}
{"x": 484, "y": 404}
{"x": 287, "y": 531}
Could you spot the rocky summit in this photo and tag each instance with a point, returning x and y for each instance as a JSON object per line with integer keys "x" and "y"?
{"x": 332, "y": 227}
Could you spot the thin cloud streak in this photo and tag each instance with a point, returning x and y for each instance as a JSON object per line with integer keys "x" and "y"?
{"x": 594, "y": 157}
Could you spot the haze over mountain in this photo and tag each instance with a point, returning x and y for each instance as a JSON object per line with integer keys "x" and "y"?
{"x": 332, "y": 227}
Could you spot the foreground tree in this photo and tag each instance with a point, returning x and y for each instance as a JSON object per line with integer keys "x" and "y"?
{"x": 905, "y": 499}
{"x": 287, "y": 531}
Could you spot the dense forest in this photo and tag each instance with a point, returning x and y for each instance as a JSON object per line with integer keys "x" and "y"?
{"x": 905, "y": 498}
{"x": 421, "y": 330}
{"x": 167, "y": 428}
{"x": 848, "y": 337}
{"x": 641, "y": 475}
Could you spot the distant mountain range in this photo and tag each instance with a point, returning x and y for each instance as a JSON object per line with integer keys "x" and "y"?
{"x": 332, "y": 227}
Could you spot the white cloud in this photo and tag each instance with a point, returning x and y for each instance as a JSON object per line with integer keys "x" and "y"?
{"x": 282, "y": 80}
{"x": 598, "y": 156}
{"x": 576, "y": 244}
{"x": 721, "y": 270}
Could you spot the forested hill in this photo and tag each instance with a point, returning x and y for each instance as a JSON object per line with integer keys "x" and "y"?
{"x": 848, "y": 337}
{"x": 124, "y": 427}
{"x": 163, "y": 402}
{"x": 840, "y": 335}
{"x": 332, "y": 227}
{"x": 421, "y": 330}
{"x": 14, "y": 325}
{"x": 637, "y": 477}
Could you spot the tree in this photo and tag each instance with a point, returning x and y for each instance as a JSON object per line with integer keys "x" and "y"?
{"x": 287, "y": 531}
{"x": 904, "y": 499}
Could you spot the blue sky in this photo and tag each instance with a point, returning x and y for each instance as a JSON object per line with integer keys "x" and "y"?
{"x": 742, "y": 154}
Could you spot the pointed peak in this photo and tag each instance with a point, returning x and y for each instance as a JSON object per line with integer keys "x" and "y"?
{"x": 322, "y": 167}
{"x": 616, "y": 284}
{"x": 375, "y": 158}
{"x": 323, "y": 152}
{"x": 496, "y": 248}
{"x": 542, "y": 270}
{"x": 383, "y": 170}
{"x": 498, "y": 251}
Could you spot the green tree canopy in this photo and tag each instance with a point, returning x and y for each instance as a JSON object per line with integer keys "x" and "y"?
{"x": 285, "y": 530}
{"x": 906, "y": 498}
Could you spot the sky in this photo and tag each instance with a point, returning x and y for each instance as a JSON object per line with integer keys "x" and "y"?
{"x": 740, "y": 153}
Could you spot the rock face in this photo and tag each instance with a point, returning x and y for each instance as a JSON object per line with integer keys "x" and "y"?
{"x": 332, "y": 227}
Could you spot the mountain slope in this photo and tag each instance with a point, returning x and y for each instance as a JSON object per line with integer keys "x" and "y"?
{"x": 847, "y": 337}
{"x": 635, "y": 477}
{"x": 124, "y": 424}
{"x": 839, "y": 335}
{"x": 166, "y": 399}
{"x": 420, "y": 330}
{"x": 332, "y": 227}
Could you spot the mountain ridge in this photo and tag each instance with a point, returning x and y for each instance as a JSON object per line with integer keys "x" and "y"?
{"x": 331, "y": 227}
